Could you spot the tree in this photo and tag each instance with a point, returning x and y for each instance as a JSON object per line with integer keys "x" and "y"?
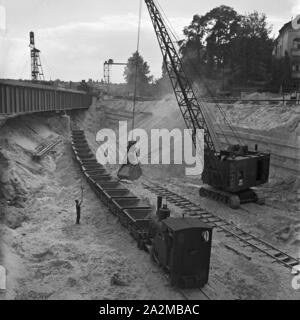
{"x": 224, "y": 45}
{"x": 221, "y": 24}
{"x": 251, "y": 50}
{"x": 137, "y": 72}
{"x": 208, "y": 38}
{"x": 254, "y": 25}
{"x": 163, "y": 84}
{"x": 281, "y": 73}
{"x": 192, "y": 48}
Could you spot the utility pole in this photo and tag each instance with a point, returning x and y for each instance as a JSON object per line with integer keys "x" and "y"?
{"x": 36, "y": 65}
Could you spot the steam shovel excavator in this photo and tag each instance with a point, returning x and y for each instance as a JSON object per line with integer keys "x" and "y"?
{"x": 230, "y": 174}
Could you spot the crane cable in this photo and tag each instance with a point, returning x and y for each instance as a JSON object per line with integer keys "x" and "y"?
{"x": 136, "y": 65}
{"x": 168, "y": 23}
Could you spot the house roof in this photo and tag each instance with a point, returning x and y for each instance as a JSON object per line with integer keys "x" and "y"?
{"x": 285, "y": 27}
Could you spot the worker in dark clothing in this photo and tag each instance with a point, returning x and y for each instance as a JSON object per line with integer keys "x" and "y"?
{"x": 78, "y": 207}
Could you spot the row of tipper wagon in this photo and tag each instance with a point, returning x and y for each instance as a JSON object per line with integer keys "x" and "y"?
{"x": 133, "y": 213}
{"x": 181, "y": 246}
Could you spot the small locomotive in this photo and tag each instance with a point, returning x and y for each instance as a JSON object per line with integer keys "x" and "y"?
{"x": 182, "y": 247}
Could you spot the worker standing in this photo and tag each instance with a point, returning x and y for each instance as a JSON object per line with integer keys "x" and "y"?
{"x": 78, "y": 207}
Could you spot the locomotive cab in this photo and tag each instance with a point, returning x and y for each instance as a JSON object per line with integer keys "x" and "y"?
{"x": 183, "y": 247}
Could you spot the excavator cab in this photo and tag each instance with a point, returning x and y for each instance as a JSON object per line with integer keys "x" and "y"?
{"x": 232, "y": 175}
{"x": 131, "y": 169}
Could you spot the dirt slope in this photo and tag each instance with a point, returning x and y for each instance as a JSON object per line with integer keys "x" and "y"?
{"x": 49, "y": 257}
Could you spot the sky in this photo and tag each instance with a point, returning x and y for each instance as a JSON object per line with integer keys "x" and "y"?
{"x": 76, "y": 37}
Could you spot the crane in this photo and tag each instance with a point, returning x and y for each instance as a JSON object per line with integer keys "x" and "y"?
{"x": 229, "y": 174}
{"x": 36, "y": 65}
{"x": 106, "y": 69}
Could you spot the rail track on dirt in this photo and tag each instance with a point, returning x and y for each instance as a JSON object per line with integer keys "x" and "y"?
{"x": 246, "y": 239}
{"x": 133, "y": 213}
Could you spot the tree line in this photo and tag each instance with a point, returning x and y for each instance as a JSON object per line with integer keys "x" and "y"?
{"x": 221, "y": 46}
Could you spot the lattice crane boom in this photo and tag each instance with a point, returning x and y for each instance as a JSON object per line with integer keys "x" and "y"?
{"x": 190, "y": 108}
{"x": 229, "y": 173}
{"x": 37, "y": 72}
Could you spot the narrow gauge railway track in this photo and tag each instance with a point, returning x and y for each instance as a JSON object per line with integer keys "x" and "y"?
{"x": 246, "y": 239}
{"x": 131, "y": 212}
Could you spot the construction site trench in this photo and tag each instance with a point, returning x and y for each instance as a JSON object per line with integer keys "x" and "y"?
{"x": 49, "y": 257}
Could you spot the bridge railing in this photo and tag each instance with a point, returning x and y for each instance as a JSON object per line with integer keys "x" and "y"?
{"x": 18, "y": 97}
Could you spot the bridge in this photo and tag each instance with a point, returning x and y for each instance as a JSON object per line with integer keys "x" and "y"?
{"x": 18, "y": 97}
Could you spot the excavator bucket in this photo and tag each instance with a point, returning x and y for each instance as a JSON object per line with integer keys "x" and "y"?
{"x": 131, "y": 170}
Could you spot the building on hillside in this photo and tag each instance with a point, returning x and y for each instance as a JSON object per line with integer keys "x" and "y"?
{"x": 288, "y": 44}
